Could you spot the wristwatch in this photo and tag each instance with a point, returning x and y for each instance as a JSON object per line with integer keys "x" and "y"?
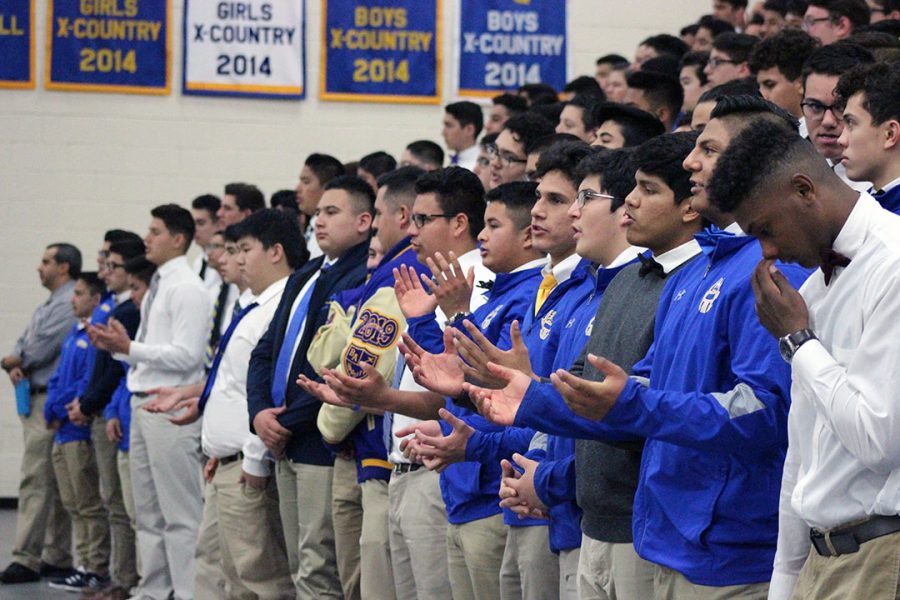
{"x": 789, "y": 344}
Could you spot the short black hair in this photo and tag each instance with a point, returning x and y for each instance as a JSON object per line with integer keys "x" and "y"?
{"x": 637, "y": 125}
{"x": 736, "y": 87}
{"x": 891, "y": 26}
{"x": 697, "y": 60}
{"x": 752, "y": 160}
{"x": 752, "y": 108}
{"x": 736, "y": 3}
{"x": 178, "y": 220}
{"x": 797, "y": 7}
{"x": 528, "y": 127}
{"x": 378, "y": 163}
{"x": 663, "y": 156}
{"x": 140, "y": 268}
{"x": 787, "y": 51}
{"x": 563, "y": 157}
{"x": 539, "y": 93}
{"x": 246, "y": 196}
{"x": 69, "y": 254}
{"x": 616, "y": 171}
{"x": 585, "y": 86}
{"x": 467, "y": 113}
{"x": 888, "y": 5}
{"x": 272, "y": 227}
{"x": 856, "y": 11}
{"x": 284, "y": 199}
{"x": 361, "y": 193}
{"x": 518, "y": 197}
{"x": 548, "y": 110}
{"x": 208, "y": 202}
{"x": 779, "y": 6}
{"x": 659, "y": 89}
{"x": 756, "y": 19}
{"x": 118, "y": 235}
{"x": 665, "y": 64}
{"x": 586, "y": 104}
{"x": 428, "y": 152}
{"x": 879, "y": 84}
{"x": 835, "y": 59}
{"x": 737, "y": 46}
{"x": 612, "y": 59}
{"x": 324, "y": 166}
{"x": 689, "y": 30}
{"x": 95, "y": 285}
{"x": 514, "y": 104}
{"x": 232, "y": 233}
{"x": 127, "y": 248}
{"x": 664, "y": 43}
{"x": 541, "y": 144}
{"x": 714, "y": 25}
{"x": 458, "y": 191}
{"x": 401, "y": 185}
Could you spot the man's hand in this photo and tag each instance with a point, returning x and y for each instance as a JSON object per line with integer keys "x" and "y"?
{"x": 257, "y": 483}
{"x": 164, "y": 399}
{"x": 209, "y": 469}
{"x": 75, "y": 415}
{"x": 451, "y": 287}
{"x": 270, "y": 431}
{"x": 414, "y": 301}
{"x": 440, "y": 451}
{"x": 16, "y": 375}
{"x": 500, "y": 406}
{"x": 479, "y": 351}
{"x": 780, "y": 308}
{"x": 591, "y": 399}
{"x": 517, "y": 491}
{"x": 370, "y": 391}
{"x": 191, "y": 411}
{"x": 439, "y": 373}
{"x": 54, "y": 424}
{"x": 323, "y": 393}
{"x": 411, "y": 447}
{"x": 114, "y": 430}
{"x": 8, "y": 363}
{"x": 112, "y": 337}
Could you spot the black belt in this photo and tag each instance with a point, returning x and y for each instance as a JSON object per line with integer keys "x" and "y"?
{"x": 847, "y": 540}
{"x": 140, "y": 394}
{"x": 406, "y": 467}
{"x": 230, "y": 459}
{"x": 38, "y": 389}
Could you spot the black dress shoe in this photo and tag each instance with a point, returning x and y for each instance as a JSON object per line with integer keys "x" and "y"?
{"x": 49, "y": 571}
{"x": 18, "y": 573}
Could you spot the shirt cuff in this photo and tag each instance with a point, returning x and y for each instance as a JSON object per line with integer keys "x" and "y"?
{"x": 255, "y": 462}
{"x": 782, "y": 584}
{"x": 809, "y": 360}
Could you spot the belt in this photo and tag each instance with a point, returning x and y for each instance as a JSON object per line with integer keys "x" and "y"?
{"x": 38, "y": 389}
{"x": 406, "y": 467}
{"x": 140, "y": 394}
{"x": 847, "y": 540}
{"x": 230, "y": 459}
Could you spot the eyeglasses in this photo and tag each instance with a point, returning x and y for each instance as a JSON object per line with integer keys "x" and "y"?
{"x": 483, "y": 162}
{"x": 215, "y": 246}
{"x": 716, "y": 62}
{"x": 813, "y": 109}
{"x": 506, "y": 159}
{"x": 810, "y": 22}
{"x": 112, "y": 266}
{"x": 421, "y": 219}
{"x": 585, "y": 196}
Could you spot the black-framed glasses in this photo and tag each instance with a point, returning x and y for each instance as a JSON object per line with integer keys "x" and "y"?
{"x": 506, "y": 158}
{"x": 716, "y": 62}
{"x": 420, "y": 219}
{"x": 112, "y": 266}
{"x": 810, "y": 22}
{"x": 813, "y": 109}
{"x": 585, "y": 196}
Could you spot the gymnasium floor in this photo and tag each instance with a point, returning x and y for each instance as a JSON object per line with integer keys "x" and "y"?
{"x": 25, "y": 591}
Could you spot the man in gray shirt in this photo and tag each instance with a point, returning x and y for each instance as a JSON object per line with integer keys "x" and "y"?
{"x": 43, "y": 529}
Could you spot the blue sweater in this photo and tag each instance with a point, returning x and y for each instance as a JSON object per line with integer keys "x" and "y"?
{"x": 70, "y": 376}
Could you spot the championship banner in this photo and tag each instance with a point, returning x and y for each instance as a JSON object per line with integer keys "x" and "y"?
{"x": 504, "y": 44}
{"x": 253, "y": 48}
{"x": 381, "y": 51}
{"x": 17, "y": 44}
{"x": 108, "y": 46}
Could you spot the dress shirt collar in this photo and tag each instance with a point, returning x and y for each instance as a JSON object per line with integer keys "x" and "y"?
{"x": 675, "y": 257}
{"x": 625, "y": 257}
{"x": 853, "y": 233}
{"x": 735, "y": 229}
{"x": 245, "y": 298}
{"x": 271, "y": 292}
{"x": 171, "y": 266}
{"x": 890, "y": 186}
{"x": 537, "y": 263}
{"x": 563, "y": 269}
{"x": 123, "y": 297}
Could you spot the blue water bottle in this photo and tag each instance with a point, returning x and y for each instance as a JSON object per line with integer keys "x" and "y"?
{"x": 23, "y": 398}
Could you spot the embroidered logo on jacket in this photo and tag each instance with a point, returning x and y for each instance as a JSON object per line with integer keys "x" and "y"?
{"x": 376, "y": 329}
{"x": 590, "y": 327}
{"x": 710, "y": 296}
{"x": 356, "y": 356}
{"x": 679, "y": 295}
{"x": 547, "y": 323}
{"x": 487, "y": 320}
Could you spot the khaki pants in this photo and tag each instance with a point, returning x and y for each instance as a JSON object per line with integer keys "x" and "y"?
{"x": 121, "y": 534}
{"x": 672, "y": 585}
{"x": 43, "y": 528}
{"x": 418, "y": 534}
{"x": 608, "y": 571}
{"x": 872, "y": 573}
{"x": 475, "y": 552}
{"x": 530, "y": 570}
{"x": 568, "y": 574}
{"x": 347, "y": 511}
{"x": 128, "y": 499}
{"x": 374, "y": 543}
{"x": 304, "y": 499}
{"x": 247, "y": 528}
{"x": 79, "y": 491}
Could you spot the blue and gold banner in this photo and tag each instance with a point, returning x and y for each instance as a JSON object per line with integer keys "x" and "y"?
{"x": 109, "y": 46}
{"x": 507, "y": 43}
{"x": 381, "y": 51}
{"x": 17, "y": 44}
{"x": 254, "y": 48}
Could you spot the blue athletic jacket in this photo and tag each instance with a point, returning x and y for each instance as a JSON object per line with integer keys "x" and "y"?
{"x": 889, "y": 200}
{"x": 70, "y": 375}
{"x": 119, "y": 407}
{"x": 100, "y": 316}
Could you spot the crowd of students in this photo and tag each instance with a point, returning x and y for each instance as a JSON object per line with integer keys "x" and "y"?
{"x": 572, "y": 363}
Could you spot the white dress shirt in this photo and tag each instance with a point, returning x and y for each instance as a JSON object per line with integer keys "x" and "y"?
{"x": 226, "y": 430}
{"x": 312, "y": 245}
{"x": 843, "y": 459}
{"x": 467, "y": 159}
{"x": 173, "y": 345}
{"x": 472, "y": 258}
{"x": 211, "y": 279}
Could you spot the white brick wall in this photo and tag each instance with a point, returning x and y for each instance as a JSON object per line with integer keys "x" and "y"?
{"x": 75, "y": 164}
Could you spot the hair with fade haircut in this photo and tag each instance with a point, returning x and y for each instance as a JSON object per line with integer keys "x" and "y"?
{"x": 528, "y": 127}
{"x": 271, "y": 227}
{"x": 285, "y": 199}
{"x": 518, "y": 197}
{"x": 787, "y": 51}
{"x": 614, "y": 60}
{"x": 549, "y": 111}
{"x": 836, "y": 59}
{"x": 246, "y": 196}
{"x": 659, "y": 89}
{"x": 401, "y": 186}
{"x": 515, "y": 105}
{"x": 177, "y": 219}
{"x": 428, "y": 152}
{"x": 637, "y": 125}
{"x": 457, "y": 191}
{"x": 737, "y": 46}
{"x": 361, "y": 193}
{"x": 879, "y": 84}
{"x": 324, "y": 166}
{"x": 753, "y": 160}
{"x": 664, "y": 43}
{"x": 585, "y": 86}
{"x": 779, "y": 6}
{"x": 586, "y": 104}
{"x": 736, "y": 87}
{"x": 118, "y": 235}
{"x": 663, "y": 156}
{"x": 140, "y": 268}
{"x": 127, "y": 248}
{"x": 378, "y": 163}
{"x": 856, "y": 11}
{"x": 616, "y": 171}
{"x": 540, "y": 145}
{"x": 697, "y": 60}
{"x": 714, "y": 25}
{"x": 467, "y": 113}
{"x": 94, "y": 284}
{"x": 666, "y": 64}
{"x": 208, "y": 202}
{"x": 69, "y": 254}
{"x": 563, "y": 157}
{"x": 749, "y": 109}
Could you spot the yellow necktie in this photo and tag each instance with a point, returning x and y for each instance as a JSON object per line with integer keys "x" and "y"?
{"x": 547, "y": 285}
